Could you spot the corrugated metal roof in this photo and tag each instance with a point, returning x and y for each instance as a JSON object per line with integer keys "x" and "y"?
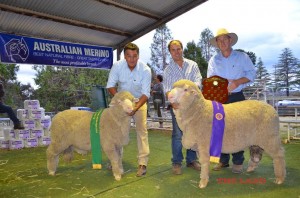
{"x": 111, "y": 23}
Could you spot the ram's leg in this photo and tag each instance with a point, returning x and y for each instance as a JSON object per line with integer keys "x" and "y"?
{"x": 120, "y": 164}
{"x": 277, "y": 153}
{"x": 255, "y": 157}
{"x": 113, "y": 156}
{"x": 204, "y": 173}
{"x": 53, "y": 152}
{"x": 252, "y": 166}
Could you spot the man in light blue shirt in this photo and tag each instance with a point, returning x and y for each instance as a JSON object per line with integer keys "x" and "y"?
{"x": 134, "y": 76}
{"x": 239, "y": 70}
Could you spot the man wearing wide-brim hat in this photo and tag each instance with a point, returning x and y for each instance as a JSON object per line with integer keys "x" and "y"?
{"x": 239, "y": 70}
{"x": 221, "y": 32}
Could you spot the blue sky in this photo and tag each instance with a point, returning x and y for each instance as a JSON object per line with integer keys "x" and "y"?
{"x": 264, "y": 27}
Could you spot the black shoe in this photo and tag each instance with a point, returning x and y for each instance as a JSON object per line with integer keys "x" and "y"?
{"x": 18, "y": 126}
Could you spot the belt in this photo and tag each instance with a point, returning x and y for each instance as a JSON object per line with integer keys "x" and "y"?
{"x": 235, "y": 93}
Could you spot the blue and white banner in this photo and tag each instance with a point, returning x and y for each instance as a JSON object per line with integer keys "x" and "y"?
{"x": 20, "y": 49}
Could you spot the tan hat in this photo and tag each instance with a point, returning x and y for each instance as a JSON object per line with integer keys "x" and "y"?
{"x": 223, "y": 31}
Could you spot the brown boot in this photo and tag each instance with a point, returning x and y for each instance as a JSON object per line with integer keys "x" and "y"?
{"x": 238, "y": 169}
{"x": 176, "y": 169}
{"x": 194, "y": 165}
{"x": 142, "y": 170}
{"x": 220, "y": 166}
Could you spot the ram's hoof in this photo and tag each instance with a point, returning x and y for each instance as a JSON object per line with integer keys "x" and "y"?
{"x": 52, "y": 173}
{"x": 251, "y": 169}
{"x": 117, "y": 177}
{"x": 279, "y": 181}
{"x": 203, "y": 183}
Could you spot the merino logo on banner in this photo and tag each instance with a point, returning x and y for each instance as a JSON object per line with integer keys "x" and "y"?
{"x": 21, "y": 49}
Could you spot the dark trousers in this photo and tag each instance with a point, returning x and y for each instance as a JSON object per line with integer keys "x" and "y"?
{"x": 157, "y": 104}
{"x": 11, "y": 114}
{"x": 177, "y": 155}
{"x": 237, "y": 158}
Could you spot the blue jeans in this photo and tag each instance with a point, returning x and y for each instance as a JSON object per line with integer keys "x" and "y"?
{"x": 177, "y": 155}
{"x": 10, "y": 112}
{"x": 237, "y": 158}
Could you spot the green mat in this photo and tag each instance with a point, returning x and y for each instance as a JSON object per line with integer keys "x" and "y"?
{"x": 23, "y": 173}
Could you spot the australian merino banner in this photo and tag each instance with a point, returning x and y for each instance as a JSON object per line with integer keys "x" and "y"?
{"x": 20, "y": 49}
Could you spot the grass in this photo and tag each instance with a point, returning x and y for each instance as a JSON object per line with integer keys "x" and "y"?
{"x": 23, "y": 173}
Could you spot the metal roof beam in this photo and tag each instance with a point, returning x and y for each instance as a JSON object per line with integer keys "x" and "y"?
{"x": 130, "y": 9}
{"x": 171, "y": 16}
{"x": 72, "y": 22}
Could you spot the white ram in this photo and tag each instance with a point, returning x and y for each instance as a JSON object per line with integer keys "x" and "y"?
{"x": 70, "y": 130}
{"x": 246, "y": 123}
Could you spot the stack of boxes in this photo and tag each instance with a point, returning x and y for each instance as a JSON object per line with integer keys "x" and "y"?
{"x": 36, "y": 130}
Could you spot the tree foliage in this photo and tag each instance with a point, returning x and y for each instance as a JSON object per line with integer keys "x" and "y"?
{"x": 296, "y": 80}
{"x": 286, "y": 70}
{"x": 8, "y": 72}
{"x": 206, "y": 48}
{"x": 159, "y": 48}
{"x": 262, "y": 73}
{"x": 14, "y": 94}
{"x": 193, "y": 52}
{"x": 63, "y": 87}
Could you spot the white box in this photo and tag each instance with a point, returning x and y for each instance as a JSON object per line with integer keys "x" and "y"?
{"x": 44, "y": 141}
{"x": 23, "y": 134}
{"x": 22, "y": 114}
{"x": 31, "y": 104}
{"x": 4, "y": 144}
{"x": 36, "y": 113}
{"x": 8, "y": 133}
{"x": 46, "y": 122}
{"x": 16, "y": 144}
{"x": 31, "y": 142}
{"x": 35, "y": 133}
{"x": 29, "y": 124}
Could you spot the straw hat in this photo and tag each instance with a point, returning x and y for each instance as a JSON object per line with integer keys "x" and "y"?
{"x": 223, "y": 31}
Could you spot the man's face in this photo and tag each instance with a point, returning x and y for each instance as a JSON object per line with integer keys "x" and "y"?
{"x": 176, "y": 52}
{"x": 224, "y": 42}
{"x": 131, "y": 57}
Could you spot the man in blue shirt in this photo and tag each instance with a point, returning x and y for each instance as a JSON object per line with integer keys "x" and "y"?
{"x": 134, "y": 76}
{"x": 239, "y": 70}
{"x": 180, "y": 68}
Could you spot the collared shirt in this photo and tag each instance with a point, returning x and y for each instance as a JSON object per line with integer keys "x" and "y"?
{"x": 173, "y": 73}
{"x": 158, "y": 91}
{"x": 137, "y": 81}
{"x": 236, "y": 66}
